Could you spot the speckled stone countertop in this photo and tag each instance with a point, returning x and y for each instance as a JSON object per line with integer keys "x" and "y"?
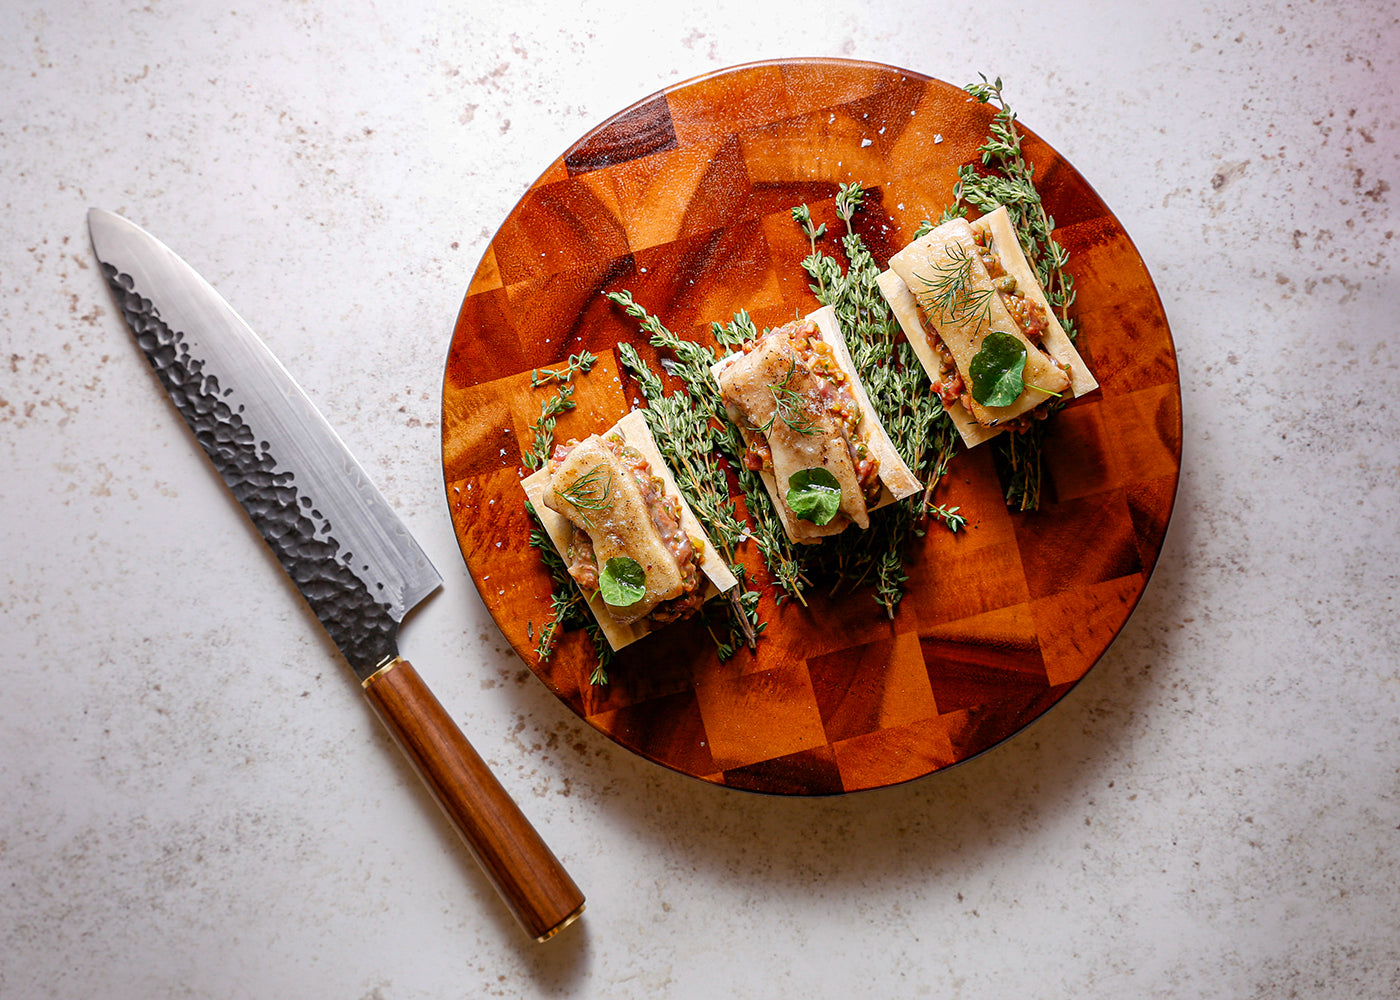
{"x": 194, "y": 799}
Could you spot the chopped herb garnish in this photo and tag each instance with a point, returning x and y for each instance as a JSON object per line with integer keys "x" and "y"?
{"x": 589, "y": 493}
{"x": 790, "y": 406}
{"x": 948, "y": 289}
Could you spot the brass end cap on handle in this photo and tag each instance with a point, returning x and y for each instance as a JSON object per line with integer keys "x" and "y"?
{"x": 561, "y": 925}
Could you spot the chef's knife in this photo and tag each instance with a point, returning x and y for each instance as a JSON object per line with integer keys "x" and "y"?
{"x": 347, "y": 552}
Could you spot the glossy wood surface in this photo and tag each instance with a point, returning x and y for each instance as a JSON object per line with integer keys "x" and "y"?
{"x": 520, "y": 865}
{"x": 684, "y": 200}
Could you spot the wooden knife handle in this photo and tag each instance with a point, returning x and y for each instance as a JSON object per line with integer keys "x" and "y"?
{"x": 524, "y": 870}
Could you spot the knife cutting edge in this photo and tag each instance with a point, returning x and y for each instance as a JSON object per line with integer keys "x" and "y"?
{"x": 342, "y": 545}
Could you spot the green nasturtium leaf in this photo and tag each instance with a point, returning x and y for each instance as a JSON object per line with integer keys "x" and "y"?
{"x": 813, "y": 495}
{"x": 622, "y": 582}
{"x": 997, "y": 370}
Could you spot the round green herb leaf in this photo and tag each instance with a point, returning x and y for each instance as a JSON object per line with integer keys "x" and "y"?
{"x": 813, "y": 495}
{"x": 622, "y": 582}
{"x": 997, "y": 370}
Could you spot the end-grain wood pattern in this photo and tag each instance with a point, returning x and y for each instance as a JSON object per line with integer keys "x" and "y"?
{"x": 684, "y": 200}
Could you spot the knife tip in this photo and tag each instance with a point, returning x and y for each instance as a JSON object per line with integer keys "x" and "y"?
{"x": 103, "y": 224}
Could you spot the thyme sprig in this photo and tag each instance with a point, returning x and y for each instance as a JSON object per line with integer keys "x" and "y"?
{"x": 823, "y": 269}
{"x": 912, "y": 415}
{"x": 693, "y": 433}
{"x": 568, "y": 607}
{"x": 691, "y": 456}
{"x": 577, "y": 364}
{"x": 555, "y": 404}
{"x": 736, "y": 332}
{"x": 1009, "y": 179}
{"x": 542, "y": 429}
{"x": 703, "y": 406}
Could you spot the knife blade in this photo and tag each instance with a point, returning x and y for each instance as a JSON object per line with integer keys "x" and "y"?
{"x": 347, "y": 552}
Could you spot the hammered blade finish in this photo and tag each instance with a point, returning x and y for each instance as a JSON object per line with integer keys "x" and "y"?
{"x": 335, "y": 536}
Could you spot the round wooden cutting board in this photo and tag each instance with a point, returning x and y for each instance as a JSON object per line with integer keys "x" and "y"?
{"x": 684, "y": 200}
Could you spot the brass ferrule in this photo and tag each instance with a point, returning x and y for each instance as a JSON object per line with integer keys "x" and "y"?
{"x": 384, "y": 668}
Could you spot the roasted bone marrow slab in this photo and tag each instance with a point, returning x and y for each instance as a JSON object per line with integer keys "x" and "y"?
{"x": 799, "y": 405}
{"x": 611, "y": 496}
{"x": 962, "y": 281}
